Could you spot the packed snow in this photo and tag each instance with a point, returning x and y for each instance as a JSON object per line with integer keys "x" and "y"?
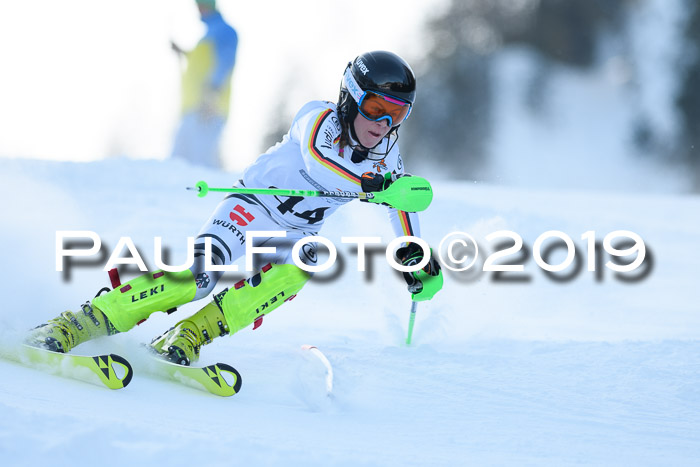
{"x": 593, "y": 370}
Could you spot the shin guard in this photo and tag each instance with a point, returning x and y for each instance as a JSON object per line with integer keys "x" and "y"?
{"x": 133, "y": 302}
{"x": 251, "y": 299}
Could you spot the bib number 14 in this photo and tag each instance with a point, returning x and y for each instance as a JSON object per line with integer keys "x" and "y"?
{"x": 312, "y": 216}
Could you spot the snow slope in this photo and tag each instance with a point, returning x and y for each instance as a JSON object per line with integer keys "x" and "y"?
{"x": 537, "y": 372}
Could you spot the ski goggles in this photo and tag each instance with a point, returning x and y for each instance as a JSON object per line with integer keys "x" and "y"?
{"x": 376, "y": 106}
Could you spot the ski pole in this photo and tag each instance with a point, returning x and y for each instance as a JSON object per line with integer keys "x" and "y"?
{"x": 411, "y": 321}
{"x": 411, "y": 194}
{"x": 203, "y": 189}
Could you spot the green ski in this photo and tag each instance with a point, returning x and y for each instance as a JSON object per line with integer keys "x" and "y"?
{"x": 110, "y": 370}
{"x": 219, "y": 379}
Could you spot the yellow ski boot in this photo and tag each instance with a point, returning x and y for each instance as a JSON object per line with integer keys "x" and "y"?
{"x": 69, "y": 329}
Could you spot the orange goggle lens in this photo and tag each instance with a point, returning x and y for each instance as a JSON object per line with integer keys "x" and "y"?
{"x": 376, "y": 107}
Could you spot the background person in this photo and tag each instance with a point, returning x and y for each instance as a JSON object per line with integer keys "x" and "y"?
{"x": 206, "y": 89}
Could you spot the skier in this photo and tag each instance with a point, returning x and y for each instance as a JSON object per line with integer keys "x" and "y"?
{"x": 329, "y": 146}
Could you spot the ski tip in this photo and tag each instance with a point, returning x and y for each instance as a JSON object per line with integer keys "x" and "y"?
{"x": 129, "y": 371}
{"x": 239, "y": 381}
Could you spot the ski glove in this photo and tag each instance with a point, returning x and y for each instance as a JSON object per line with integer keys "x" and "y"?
{"x": 424, "y": 283}
{"x": 371, "y": 182}
{"x": 377, "y": 182}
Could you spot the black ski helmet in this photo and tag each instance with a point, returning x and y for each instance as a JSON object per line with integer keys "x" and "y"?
{"x": 379, "y": 71}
